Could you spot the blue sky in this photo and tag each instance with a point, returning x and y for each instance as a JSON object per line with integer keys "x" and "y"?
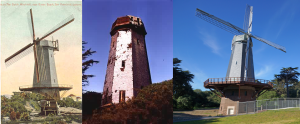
{"x": 98, "y": 17}
{"x": 205, "y": 49}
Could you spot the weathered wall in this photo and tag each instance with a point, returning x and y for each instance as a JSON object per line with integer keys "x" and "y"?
{"x": 123, "y": 79}
{"x": 225, "y": 102}
{"x": 108, "y": 83}
{"x": 141, "y": 71}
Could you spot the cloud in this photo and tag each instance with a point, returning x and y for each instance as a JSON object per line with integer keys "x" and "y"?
{"x": 210, "y": 41}
{"x": 264, "y": 71}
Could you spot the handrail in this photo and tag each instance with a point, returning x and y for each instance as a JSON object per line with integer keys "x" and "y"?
{"x": 59, "y": 85}
{"x": 233, "y": 79}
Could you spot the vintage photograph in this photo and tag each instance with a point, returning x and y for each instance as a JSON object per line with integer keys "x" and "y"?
{"x": 41, "y": 45}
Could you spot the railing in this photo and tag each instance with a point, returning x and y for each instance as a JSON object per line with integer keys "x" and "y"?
{"x": 59, "y": 85}
{"x": 267, "y": 104}
{"x": 235, "y": 79}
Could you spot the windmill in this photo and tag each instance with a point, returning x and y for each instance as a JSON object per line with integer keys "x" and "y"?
{"x": 240, "y": 73}
{"x": 45, "y": 78}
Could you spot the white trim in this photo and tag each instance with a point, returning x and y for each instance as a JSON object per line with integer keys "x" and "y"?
{"x": 230, "y": 107}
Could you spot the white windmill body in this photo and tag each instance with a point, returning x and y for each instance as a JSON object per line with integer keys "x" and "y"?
{"x": 240, "y": 84}
{"x": 46, "y": 64}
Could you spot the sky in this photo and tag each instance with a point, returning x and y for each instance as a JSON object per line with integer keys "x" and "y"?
{"x": 15, "y": 34}
{"x": 98, "y": 17}
{"x": 205, "y": 49}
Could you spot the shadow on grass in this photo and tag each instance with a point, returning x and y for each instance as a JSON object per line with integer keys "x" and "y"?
{"x": 206, "y": 121}
{"x": 179, "y": 117}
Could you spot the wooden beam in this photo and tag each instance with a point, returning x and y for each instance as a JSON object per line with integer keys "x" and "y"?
{"x": 239, "y": 91}
{"x": 219, "y": 91}
{"x": 261, "y": 93}
{"x": 215, "y": 93}
{"x": 257, "y": 92}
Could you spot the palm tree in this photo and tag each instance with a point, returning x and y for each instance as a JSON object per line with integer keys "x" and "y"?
{"x": 289, "y": 76}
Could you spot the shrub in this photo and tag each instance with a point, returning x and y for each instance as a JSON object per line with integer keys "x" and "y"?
{"x": 184, "y": 102}
{"x": 12, "y": 116}
{"x": 18, "y": 115}
{"x": 25, "y": 116}
{"x": 153, "y": 104}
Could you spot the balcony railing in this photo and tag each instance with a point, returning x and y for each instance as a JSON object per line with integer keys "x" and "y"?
{"x": 230, "y": 80}
{"x": 41, "y": 86}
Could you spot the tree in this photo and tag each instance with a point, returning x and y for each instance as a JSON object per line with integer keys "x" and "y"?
{"x": 289, "y": 76}
{"x": 86, "y": 64}
{"x": 182, "y": 80}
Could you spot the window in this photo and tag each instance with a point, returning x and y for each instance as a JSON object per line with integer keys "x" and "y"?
{"x": 138, "y": 20}
{"x": 245, "y": 93}
{"x": 123, "y": 64}
{"x": 122, "y": 96}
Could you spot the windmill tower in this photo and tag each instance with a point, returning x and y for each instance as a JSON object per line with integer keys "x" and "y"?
{"x": 127, "y": 66}
{"x": 239, "y": 85}
{"x": 44, "y": 79}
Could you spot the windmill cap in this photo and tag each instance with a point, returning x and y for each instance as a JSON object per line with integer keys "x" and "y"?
{"x": 128, "y": 22}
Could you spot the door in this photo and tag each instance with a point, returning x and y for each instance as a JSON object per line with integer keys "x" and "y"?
{"x": 230, "y": 111}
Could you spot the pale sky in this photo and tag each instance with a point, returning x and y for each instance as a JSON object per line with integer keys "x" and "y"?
{"x": 15, "y": 34}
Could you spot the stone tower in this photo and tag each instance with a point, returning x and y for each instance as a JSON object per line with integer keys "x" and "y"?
{"x": 127, "y": 66}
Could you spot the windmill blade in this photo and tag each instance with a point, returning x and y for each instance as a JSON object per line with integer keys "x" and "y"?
{"x": 269, "y": 43}
{"x": 18, "y": 55}
{"x": 58, "y": 26}
{"x": 219, "y": 22}
{"x": 30, "y": 24}
{"x": 246, "y": 18}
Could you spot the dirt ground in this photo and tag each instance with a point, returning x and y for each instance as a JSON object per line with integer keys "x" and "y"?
{"x": 193, "y": 114}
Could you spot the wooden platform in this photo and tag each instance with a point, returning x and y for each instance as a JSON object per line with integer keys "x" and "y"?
{"x": 238, "y": 81}
{"x": 31, "y": 88}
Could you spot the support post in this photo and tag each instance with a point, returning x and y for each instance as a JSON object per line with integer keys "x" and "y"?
{"x": 246, "y": 107}
{"x": 239, "y": 92}
{"x": 257, "y": 92}
{"x": 215, "y": 93}
{"x": 219, "y": 91}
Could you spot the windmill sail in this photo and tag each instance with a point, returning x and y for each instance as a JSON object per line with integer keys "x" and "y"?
{"x": 282, "y": 48}
{"x": 219, "y": 22}
{"x": 232, "y": 28}
{"x": 19, "y": 55}
{"x": 60, "y": 25}
{"x": 248, "y": 28}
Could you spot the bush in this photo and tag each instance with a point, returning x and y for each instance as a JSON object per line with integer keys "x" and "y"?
{"x": 69, "y": 102}
{"x": 25, "y": 116}
{"x": 184, "y": 102}
{"x": 35, "y": 105}
{"x": 12, "y": 116}
{"x": 18, "y": 115}
{"x": 153, "y": 104}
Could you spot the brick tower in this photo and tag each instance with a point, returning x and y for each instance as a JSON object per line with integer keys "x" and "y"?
{"x": 127, "y": 66}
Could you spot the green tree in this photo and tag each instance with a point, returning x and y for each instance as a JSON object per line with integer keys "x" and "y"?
{"x": 182, "y": 80}
{"x": 184, "y": 102}
{"x": 86, "y": 64}
{"x": 288, "y": 76}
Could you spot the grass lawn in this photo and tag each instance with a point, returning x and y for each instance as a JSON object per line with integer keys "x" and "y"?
{"x": 268, "y": 117}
